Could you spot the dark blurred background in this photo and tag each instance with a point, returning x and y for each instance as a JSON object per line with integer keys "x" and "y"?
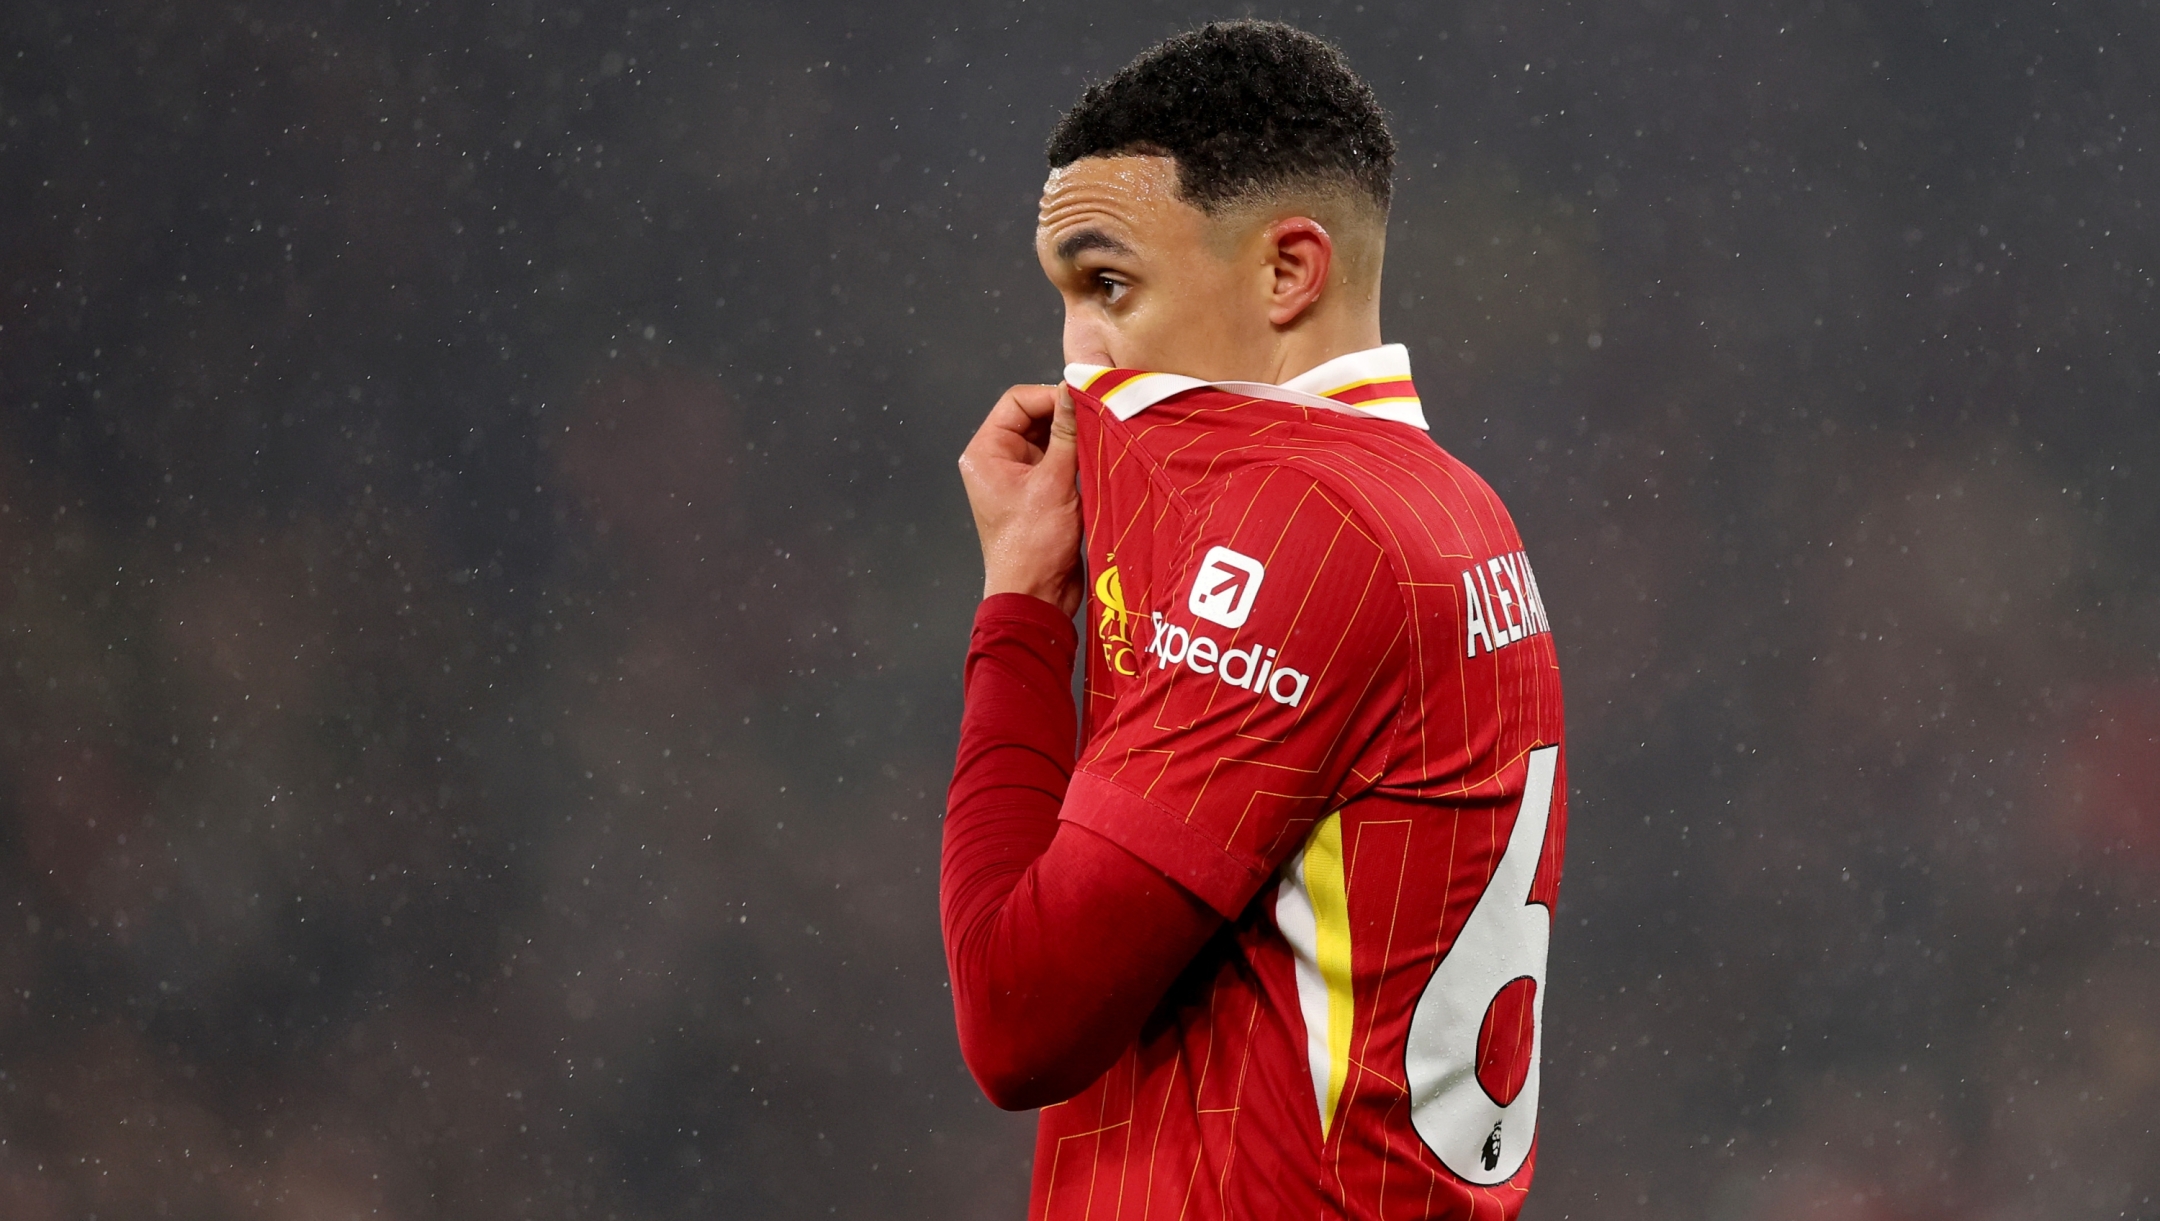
{"x": 485, "y": 583}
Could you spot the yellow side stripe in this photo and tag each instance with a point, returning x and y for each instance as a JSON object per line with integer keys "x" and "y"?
{"x": 1330, "y": 893}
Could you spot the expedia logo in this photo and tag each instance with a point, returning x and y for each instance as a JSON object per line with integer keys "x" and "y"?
{"x": 1251, "y": 669}
{"x": 1223, "y": 593}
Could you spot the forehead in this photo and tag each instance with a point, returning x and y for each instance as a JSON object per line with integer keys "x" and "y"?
{"x": 1125, "y": 197}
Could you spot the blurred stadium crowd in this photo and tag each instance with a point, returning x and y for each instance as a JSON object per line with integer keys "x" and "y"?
{"x": 484, "y": 583}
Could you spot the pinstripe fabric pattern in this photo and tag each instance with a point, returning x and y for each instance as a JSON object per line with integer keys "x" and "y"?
{"x": 1379, "y": 705}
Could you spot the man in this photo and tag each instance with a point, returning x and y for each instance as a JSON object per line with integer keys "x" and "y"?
{"x": 1274, "y": 944}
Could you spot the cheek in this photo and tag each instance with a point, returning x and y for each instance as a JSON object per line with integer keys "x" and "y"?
{"x": 1141, "y": 337}
{"x": 1177, "y": 316}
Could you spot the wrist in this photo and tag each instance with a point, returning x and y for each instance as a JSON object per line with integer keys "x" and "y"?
{"x": 1006, "y": 612}
{"x": 1055, "y": 587}
{"x": 1051, "y": 592}
{"x": 1019, "y": 605}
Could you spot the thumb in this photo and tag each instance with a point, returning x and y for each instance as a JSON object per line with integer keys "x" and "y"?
{"x": 1061, "y": 458}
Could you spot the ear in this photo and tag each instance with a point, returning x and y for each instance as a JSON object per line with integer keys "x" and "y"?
{"x": 1300, "y": 254}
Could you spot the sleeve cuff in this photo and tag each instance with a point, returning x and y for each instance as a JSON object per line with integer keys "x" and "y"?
{"x": 1032, "y": 611}
{"x": 1158, "y": 835}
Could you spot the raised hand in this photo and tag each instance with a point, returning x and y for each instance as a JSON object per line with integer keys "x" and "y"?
{"x": 1021, "y": 471}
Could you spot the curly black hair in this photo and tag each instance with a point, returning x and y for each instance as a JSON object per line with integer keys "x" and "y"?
{"x": 1245, "y": 108}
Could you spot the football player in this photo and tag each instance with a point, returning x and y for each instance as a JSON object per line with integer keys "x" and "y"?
{"x": 1271, "y": 941}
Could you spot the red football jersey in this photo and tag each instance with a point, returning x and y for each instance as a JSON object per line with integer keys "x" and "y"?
{"x": 1322, "y": 695}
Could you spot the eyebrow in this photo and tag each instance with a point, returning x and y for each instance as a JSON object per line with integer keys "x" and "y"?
{"x": 1089, "y": 239}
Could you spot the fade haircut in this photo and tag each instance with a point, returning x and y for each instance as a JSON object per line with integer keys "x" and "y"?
{"x": 1247, "y": 110}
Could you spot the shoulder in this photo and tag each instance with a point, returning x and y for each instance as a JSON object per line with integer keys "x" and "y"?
{"x": 1282, "y": 544}
{"x": 1424, "y": 507}
{"x": 1279, "y": 495}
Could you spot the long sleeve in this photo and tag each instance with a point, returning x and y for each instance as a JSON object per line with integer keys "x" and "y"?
{"x": 1059, "y": 942}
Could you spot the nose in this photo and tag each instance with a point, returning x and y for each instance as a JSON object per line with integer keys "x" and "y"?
{"x": 1087, "y": 340}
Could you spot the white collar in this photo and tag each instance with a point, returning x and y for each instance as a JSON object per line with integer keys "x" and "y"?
{"x": 1374, "y": 382}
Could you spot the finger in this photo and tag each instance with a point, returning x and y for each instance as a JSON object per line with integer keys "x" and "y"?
{"x": 1004, "y": 437}
{"x": 1037, "y": 401}
{"x": 1061, "y": 457}
{"x": 994, "y": 446}
{"x": 1062, "y": 420}
{"x": 1019, "y": 409}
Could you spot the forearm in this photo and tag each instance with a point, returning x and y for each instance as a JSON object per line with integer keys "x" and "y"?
{"x": 1064, "y": 974}
{"x": 1059, "y": 942}
{"x": 1016, "y": 754}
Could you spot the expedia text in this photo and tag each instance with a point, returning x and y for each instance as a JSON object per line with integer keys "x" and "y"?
{"x": 1251, "y": 669}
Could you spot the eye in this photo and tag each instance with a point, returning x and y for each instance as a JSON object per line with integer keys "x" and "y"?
{"x": 1111, "y": 289}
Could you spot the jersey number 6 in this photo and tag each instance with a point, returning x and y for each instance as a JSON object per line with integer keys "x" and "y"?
{"x": 1480, "y": 1124}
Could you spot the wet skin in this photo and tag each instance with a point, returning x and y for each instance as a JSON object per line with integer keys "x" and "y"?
{"x": 1152, "y": 282}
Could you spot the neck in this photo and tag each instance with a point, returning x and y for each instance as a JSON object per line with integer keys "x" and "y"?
{"x": 1313, "y": 341}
